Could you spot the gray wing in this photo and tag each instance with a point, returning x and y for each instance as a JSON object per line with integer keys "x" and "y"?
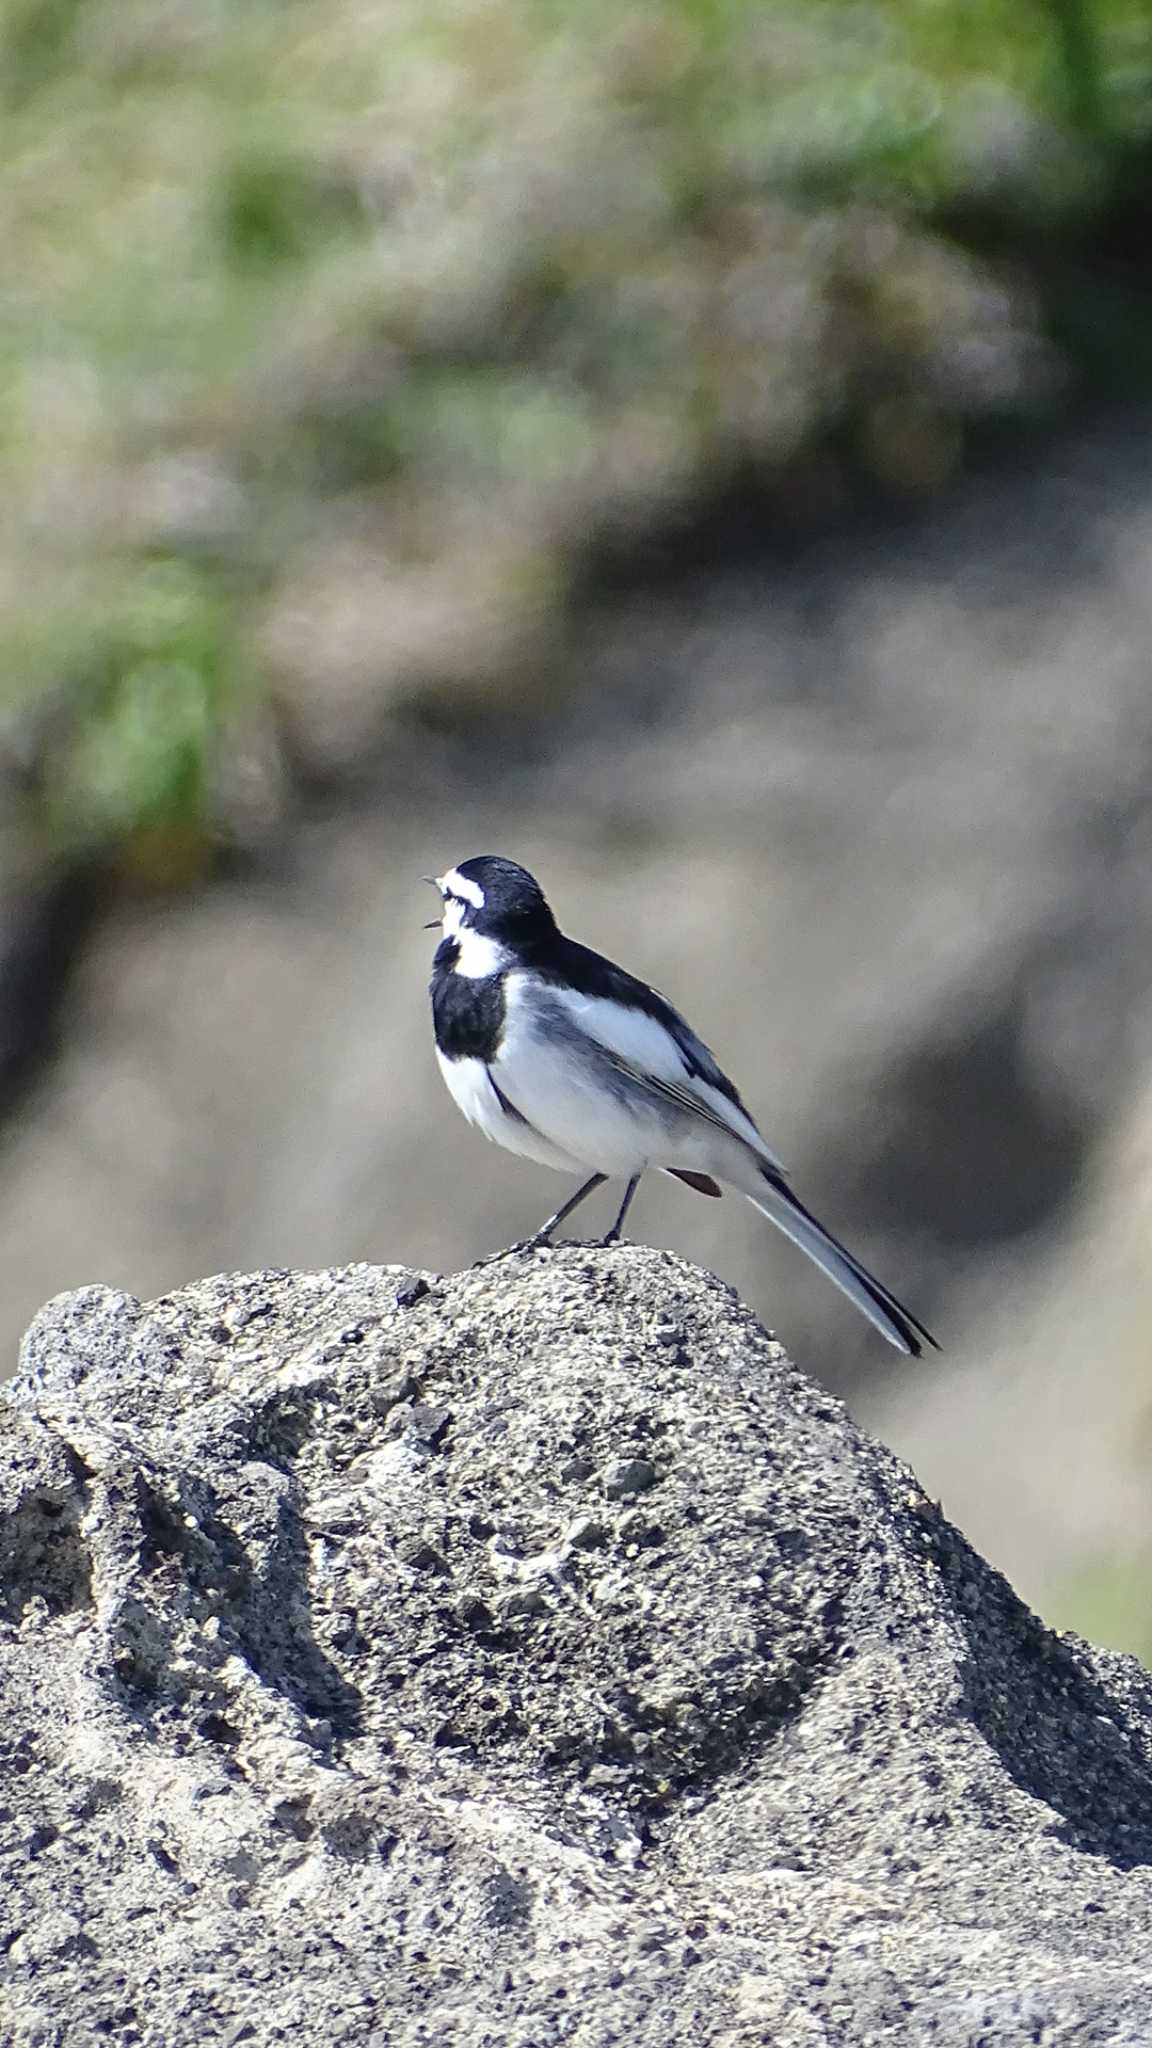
{"x": 661, "y": 1089}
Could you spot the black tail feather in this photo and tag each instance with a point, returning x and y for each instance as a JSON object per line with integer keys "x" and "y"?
{"x": 896, "y": 1322}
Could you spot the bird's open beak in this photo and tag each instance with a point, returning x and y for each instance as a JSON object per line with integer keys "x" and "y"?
{"x": 431, "y": 927}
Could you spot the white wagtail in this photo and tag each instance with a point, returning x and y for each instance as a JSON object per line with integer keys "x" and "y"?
{"x": 560, "y": 1055}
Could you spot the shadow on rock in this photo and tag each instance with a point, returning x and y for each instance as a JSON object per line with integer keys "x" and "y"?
{"x": 1045, "y": 1704}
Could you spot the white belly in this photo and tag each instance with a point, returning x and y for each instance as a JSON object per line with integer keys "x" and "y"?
{"x": 470, "y": 1085}
{"x": 578, "y": 1111}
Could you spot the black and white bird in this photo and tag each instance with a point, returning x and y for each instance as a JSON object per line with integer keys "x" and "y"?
{"x": 561, "y": 1056}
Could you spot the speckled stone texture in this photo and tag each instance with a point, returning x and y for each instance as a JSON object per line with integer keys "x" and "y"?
{"x": 524, "y": 1658}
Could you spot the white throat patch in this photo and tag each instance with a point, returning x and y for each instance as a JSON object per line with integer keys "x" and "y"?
{"x": 478, "y": 956}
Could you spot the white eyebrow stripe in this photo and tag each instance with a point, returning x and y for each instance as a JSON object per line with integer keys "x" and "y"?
{"x": 453, "y": 883}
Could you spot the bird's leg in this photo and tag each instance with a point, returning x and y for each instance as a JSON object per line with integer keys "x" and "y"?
{"x": 546, "y": 1229}
{"x": 613, "y": 1236}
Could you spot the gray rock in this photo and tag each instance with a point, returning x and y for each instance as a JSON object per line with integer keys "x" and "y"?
{"x": 344, "y": 1698}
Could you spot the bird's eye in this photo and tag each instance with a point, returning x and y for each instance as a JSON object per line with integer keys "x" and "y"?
{"x": 455, "y": 914}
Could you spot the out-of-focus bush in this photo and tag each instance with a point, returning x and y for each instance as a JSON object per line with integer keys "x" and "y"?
{"x": 334, "y": 337}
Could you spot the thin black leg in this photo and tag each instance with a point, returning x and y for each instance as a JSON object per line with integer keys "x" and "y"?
{"x": 545, "y": 1231}
{"x": 613, "y": 1236}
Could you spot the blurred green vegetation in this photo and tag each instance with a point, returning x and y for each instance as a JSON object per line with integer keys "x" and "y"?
{"x": 335, "y": 336}
{"x": 1107, "y": 1601}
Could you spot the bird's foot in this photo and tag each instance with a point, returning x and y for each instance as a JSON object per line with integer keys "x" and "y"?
{"x": 526, "y": 1244}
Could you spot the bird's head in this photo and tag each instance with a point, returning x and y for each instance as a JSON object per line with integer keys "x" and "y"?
{"x": 492, "y": 906}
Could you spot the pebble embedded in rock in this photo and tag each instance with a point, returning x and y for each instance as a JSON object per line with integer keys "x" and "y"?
{"x": 628, "y": 1475}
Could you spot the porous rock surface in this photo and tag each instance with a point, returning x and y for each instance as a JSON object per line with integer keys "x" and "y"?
{"x": 524, "y": 1658}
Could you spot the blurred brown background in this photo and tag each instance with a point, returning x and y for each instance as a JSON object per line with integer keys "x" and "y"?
{"x": 701, "y": 452}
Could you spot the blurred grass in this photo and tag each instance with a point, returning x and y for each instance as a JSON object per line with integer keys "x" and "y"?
{"x": 335, "y": 337}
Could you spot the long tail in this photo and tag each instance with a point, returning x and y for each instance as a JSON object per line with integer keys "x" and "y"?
{"x": 775, "y": 1200}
